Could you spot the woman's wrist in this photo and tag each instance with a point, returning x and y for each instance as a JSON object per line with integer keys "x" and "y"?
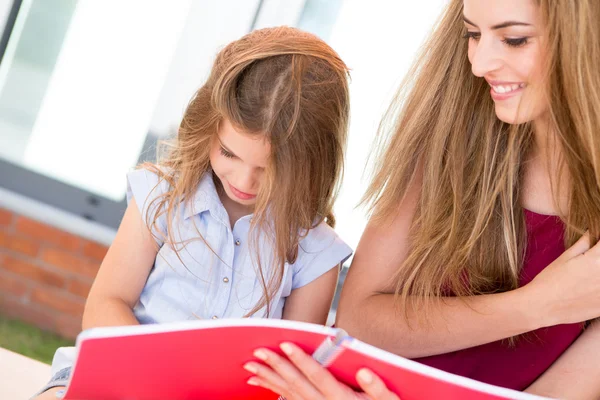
{"x": 532, "y": 308}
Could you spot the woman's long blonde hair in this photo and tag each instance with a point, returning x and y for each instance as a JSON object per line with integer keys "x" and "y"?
{"x": 291, "y": 87}
{"x": 468, "y": 235}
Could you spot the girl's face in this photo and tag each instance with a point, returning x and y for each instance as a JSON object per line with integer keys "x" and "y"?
{"x": 505, "y": 48}
{"x": 239, "y": 160}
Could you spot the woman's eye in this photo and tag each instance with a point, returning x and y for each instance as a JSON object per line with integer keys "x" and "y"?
{"x": 472, "y": 35}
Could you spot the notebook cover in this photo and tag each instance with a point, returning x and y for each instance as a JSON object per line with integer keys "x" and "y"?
{"x": 204, "y": 359}
{"x": 196, "y": 360}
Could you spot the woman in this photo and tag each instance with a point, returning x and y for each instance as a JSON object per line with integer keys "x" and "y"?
{"x": 476, "y": 259}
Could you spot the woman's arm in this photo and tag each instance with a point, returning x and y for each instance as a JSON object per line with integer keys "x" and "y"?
{"x": 311, "y": 302}
{"x": 369, "y": 311}
{"x": 576, "y": 374}
{"x": 122, "y": 275}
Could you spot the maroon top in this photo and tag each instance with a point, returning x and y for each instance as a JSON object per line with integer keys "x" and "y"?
{"x": 519, "y": 366}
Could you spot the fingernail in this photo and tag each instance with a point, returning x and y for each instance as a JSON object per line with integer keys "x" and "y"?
{"x": 261, "y": 355}
{"x": 252, "y": 381}
{"x": 365, "y": 376}
{"x": 286, "y": 348}
{"x": 251, "y": 368}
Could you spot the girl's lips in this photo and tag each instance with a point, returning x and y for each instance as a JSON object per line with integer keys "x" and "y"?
{"x": 241, "y": 195}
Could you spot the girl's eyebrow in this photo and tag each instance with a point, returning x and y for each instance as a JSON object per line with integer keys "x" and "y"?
{"x": 499, "y": 26}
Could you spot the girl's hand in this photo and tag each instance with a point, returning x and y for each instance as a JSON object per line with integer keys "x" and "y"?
{"x": 567, "y": 291}
{"x": 301, "y": 377}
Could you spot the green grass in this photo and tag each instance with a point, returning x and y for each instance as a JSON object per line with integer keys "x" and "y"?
{"x": 29, "y": 340}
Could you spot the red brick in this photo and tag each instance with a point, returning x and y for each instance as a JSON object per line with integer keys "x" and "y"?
{"x": 48, "y": 234}
{"x": 16, "y": 309}
{"x": 13, "y": 285}
{"x": 57, "y": 301}
{"x": 19, "y": 244}
{"x": 79, "y": 288}
{"x": 94, "y": 250}
{"x": 70, "y": 262}
{"x": 6, "y": 217}
{"x": 33, "y": 272}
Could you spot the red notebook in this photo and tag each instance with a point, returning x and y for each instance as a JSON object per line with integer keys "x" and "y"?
{"x": 204, "y": 359}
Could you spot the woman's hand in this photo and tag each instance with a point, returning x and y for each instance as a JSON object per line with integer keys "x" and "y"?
{"x": 303, "y": 378}
{"x": 566, "y": 291}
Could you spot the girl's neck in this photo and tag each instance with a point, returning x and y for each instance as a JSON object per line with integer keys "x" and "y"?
{"x": 234, "y": 210}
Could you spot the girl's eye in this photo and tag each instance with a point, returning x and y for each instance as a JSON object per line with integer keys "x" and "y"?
{"x": 472, "y": 35}
{"x": 516, "y": 42}
{"x": 225, "y": 153}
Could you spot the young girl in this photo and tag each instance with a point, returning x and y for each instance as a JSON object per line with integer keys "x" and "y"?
{"x": 476, "y": 259}
{"x": 236, "y": 220}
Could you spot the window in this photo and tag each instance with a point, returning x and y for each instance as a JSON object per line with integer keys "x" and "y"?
{"x": 84, "y": 93}
{"x": 81, "y": 104}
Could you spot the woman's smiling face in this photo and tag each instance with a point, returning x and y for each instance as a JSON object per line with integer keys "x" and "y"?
{"x": 505, "y": 48}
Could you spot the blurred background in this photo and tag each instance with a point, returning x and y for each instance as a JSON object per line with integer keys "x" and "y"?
{"x": 87, "y": 87}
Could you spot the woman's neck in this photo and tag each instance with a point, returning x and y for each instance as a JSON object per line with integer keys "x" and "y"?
{"x": 544, "y": 140}
{"x": 542, "y": 172}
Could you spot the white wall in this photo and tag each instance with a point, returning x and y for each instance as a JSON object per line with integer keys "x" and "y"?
{"x": 378, "y": 40}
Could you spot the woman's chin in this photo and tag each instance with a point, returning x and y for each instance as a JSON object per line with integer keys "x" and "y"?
{"x": 511, "y": 116}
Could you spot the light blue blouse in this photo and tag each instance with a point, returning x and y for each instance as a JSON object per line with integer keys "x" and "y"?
{"x": 198, "y": 284}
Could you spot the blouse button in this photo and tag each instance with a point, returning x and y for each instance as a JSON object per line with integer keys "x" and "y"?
{"x": 226, "y": 279}
{"x": 237, "y": 242}
{"x": 215, "y": 317}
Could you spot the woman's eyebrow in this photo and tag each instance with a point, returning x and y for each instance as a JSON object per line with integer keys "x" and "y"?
{"x": 501, "y": 25}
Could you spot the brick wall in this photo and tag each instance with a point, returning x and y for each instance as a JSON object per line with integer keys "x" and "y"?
{"x": 45, "y": 273}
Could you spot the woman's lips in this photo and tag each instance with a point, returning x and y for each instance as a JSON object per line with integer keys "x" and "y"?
{"x": 505, "y": 90}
